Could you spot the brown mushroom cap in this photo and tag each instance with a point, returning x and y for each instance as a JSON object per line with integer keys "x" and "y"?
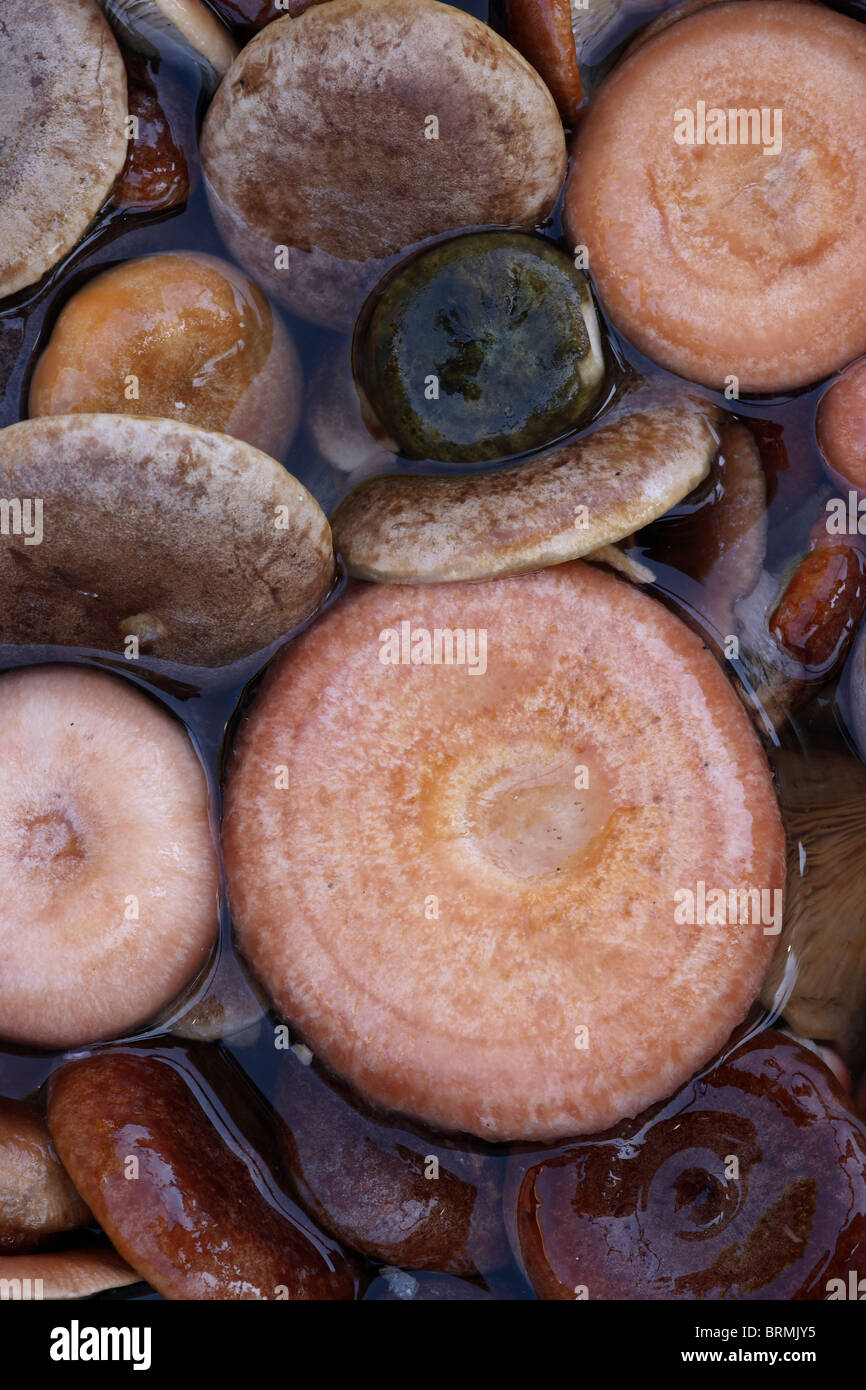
{"x": 37, "y": 1198}
{"x": 62, "y": 133}
{"x": 195, "y": 336}
{"x": 200, "y": 544}
{"x": 195, "y": 1215}
{"x": 316, "y": 141}
{"x": 560, "y": 505}
{"x": 109, "y": 877}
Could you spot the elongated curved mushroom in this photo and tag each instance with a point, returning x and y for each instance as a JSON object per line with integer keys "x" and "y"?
{"x": 62, "y": 1274}
{"x": 191, "y": 27}
{"x": 458, "y": 131}
{"x": 194, "y": 1214}
{"x": 62, "y": 131}
{"x": 559, "y": 505}
{"x": 195, "y": 544}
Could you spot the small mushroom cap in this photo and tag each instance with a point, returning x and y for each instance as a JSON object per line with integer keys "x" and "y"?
{"x": 110, "y": 878}
{"x": 37, "y": 1198}
{"x": 200, "y": 1220}
{"x": 519, "y": 907}
{"x": 841, "y": 426}
{"x": 316, "y": 138}
{"x": 199, "y": 544}
{"x": 62, "y": 132}
{"x": 69, "y": 1273}
{"x": 731, "y": 260}
{"x": 193, "y": 338}
{"x": 559, "y": 505}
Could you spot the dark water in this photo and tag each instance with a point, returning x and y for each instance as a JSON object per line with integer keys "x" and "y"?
{"x": 208, "y": 704}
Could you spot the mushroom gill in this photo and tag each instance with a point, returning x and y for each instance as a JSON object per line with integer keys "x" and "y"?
{"x": 817, "y": 979}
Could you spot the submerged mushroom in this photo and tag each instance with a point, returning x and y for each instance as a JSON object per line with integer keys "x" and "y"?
{"x": 557, "y": 506}
{"x": 62, "y": 131}
{"x": 719, "y": 188}
{"x": 716, "y": 538}
{"x": 37, "y": 1199}
{"x": 401, "y": 1197}
{"x": 156, "y": 175}
{"x": 334, "y": 422}
{"x": 442, "y": 357}
{"x": 537, "y": 775}
{"x": 344, "y": 137}
{"x": 229, "y": 1006}
{"x": 750, "y": 1183}
{"x": 196, "y": 1214}
{"x": 818, "y": 976}
{"x": 155, "y": 27}
{"x": 841, "y": 426}
{"x": 109, "y": 882}
{"x": 180, "y": 335}
{"x": 195, "y": 545}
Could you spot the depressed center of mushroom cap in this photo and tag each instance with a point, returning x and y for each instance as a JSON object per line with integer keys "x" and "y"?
{"x": 758, "y": 268}
{"x": 520, "y": 902}
{"x": 529, "y": 817}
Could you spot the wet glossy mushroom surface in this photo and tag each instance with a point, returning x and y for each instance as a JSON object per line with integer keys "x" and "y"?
{"x": 172, "y": 1192}
{"x": 482, "y": 347}
{"x": 748, "y": 1184}
{"x": 743, "y": 491}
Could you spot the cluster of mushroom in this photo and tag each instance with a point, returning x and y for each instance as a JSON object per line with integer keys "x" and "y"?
{"x": 464, "y": 895}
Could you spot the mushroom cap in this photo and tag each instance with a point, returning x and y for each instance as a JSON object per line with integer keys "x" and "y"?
{"x": 202, "y": 545}
{"x": 110, "y": 882}
{"x": 370, "y": 1183}
{"x": 62, "y": 115}
{"x": 198, "y": 336}
{"x": 841, "y": 426}
{"x": 468, "y": 314}
{"x": 316, "y": 138}
{"x": 559, "y": 505}
{"x": 37, "y": 1198}
{"x": 70, "y": 1273}
{"x": 728, "y": 260}
{"x": 435, "y": 906}
{"x": 200, "y": 1221}
{"x": 650, "y": 1211}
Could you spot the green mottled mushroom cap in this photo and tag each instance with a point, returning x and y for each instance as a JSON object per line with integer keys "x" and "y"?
{"x": 480, "y": 348}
